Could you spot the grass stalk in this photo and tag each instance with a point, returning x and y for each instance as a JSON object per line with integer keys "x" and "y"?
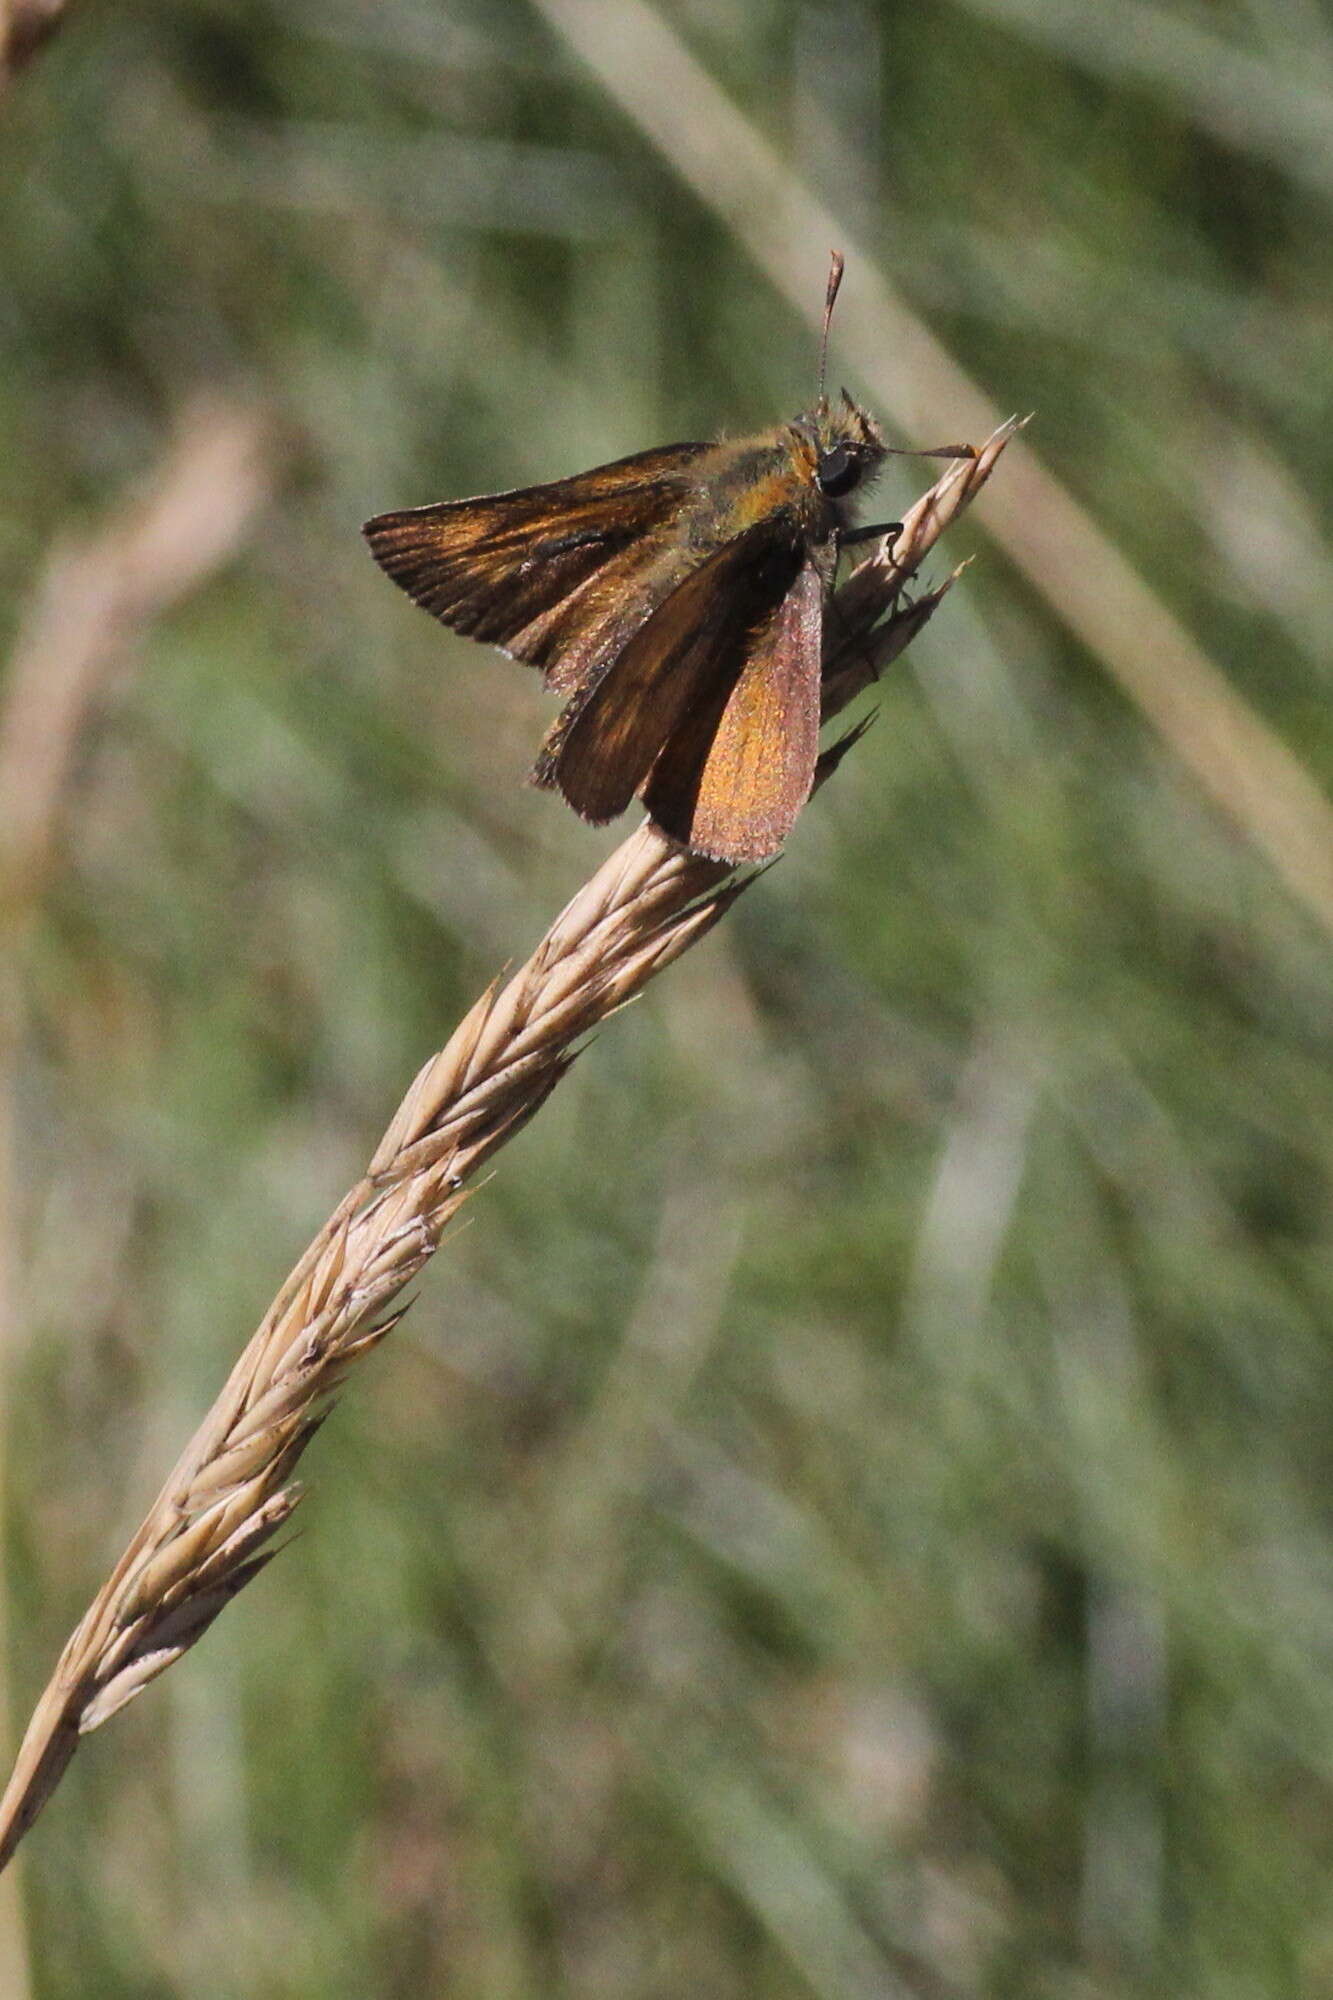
{"x": 212, "y": 1527}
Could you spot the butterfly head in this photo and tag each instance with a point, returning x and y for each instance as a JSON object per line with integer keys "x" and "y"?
{"x": 843, "y": 446}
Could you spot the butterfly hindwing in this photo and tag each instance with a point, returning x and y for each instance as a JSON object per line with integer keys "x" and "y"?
{"x": 731, "y": 785}
{"x": 668, "y": 692}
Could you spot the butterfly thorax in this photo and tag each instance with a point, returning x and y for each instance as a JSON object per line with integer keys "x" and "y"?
{"x": 804, "y": 474}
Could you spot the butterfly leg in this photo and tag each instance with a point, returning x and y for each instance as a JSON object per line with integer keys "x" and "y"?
{"x": 849, "y": 537}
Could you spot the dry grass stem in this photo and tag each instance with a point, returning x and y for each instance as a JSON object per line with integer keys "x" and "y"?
{"x": 24, "y": 26}
{"x": 98, "y": 591}
{"x": 212, "y": 1526}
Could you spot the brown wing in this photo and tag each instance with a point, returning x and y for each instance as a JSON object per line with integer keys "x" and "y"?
{"x": 731, "y": 786}
{"x": 667, "y": 693}
{"x": 545, "y": 571}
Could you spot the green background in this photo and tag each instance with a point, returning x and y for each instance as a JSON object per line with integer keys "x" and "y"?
{"x": 849, "y": 1514}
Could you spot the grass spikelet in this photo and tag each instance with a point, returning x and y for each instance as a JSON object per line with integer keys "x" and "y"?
{"x": 211, "y": 1528}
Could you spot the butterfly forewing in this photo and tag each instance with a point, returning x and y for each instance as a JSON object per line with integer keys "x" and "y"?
{"x": 731, "y": 785}
{"x": 544, "y": 568}
{"x": 673, "y": 678}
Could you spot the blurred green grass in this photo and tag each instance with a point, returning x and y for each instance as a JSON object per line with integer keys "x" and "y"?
{"x": 849, "y": 1515}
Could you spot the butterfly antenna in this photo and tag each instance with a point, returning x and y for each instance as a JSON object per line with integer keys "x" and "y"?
{"x": 836, "y": 265}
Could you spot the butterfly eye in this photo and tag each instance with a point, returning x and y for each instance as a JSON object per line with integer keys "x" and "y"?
{"x": 837, "y": 472}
